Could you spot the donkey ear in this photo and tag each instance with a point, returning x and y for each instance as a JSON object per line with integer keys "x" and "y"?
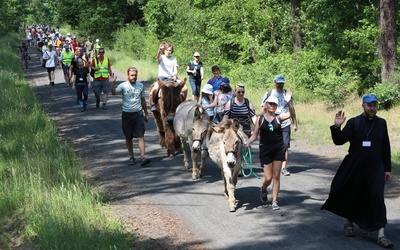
{"x": 217, "y": 129}
{"x": 197, "y": 113}
{"x": 182, "y": 83}
{"x": 236, "y": 124}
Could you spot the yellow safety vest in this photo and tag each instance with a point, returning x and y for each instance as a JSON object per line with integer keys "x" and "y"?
{"x": 103, "y": 71}
{"x": 67, "y": 58}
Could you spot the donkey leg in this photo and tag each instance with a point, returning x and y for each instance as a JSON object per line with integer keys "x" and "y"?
{"x": 195, "y": 174}
{"x": 204, "y": 155}
{"x": 185, "y": 157}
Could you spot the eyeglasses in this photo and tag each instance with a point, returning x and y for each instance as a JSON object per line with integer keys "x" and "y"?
{"x": 271, "y": 128}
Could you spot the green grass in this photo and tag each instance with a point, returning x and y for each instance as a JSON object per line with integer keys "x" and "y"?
{"x": 43, "y": 195}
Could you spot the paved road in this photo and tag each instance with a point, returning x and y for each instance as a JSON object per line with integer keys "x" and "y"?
{"x": 200, "y": 205}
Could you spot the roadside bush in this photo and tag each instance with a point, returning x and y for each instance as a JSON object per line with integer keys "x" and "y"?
{"x": 388, "y": 94}
{"x": 135, "y": 42}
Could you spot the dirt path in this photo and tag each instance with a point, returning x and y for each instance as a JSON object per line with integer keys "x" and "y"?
{"x": 169, "y": 211}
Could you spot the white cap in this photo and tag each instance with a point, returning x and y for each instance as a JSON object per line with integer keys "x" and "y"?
{"x": 68, "y": 34}
{"x": 272, "y": 99}
{"x": 208, "y": 89}
{"x": 97, "y": 40}
{"x": 196, "y": 54}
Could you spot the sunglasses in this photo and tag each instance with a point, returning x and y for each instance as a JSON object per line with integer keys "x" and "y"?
{"x": 270, "y": 127}
{"x": 197, "y": 56}
{"x": 240, "y": 92}
{"x": 101, "y": 52}
{"x": 272, "y": 104}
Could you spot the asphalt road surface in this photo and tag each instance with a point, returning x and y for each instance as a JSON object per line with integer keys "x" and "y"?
{"x": 200, "y": 205}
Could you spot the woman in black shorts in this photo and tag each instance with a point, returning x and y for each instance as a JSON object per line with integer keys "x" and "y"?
{"x": 272, "y": 150}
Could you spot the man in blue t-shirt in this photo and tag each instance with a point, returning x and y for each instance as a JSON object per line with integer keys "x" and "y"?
{"x": 134, "y": 112}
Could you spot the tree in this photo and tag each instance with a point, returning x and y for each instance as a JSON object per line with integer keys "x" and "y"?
{"x": 388, "y": 38}
{"x": 297, "y": 36}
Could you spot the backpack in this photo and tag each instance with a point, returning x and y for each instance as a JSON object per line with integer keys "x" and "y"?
{"x": 268, "y": 94}
{"x": 246, "y": 101}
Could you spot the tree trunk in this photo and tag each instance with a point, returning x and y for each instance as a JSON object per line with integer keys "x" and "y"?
{"x": 388, "y": 38}
{"x": 297, "y": 37}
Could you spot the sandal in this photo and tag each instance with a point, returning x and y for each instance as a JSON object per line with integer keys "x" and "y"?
{"x": 385, "y": 242}
{"x": 131, "y": 161}
{"x": 349, "y": 230}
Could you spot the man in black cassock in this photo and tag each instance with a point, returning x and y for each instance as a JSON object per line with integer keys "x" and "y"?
{"x": 357, "y": 190}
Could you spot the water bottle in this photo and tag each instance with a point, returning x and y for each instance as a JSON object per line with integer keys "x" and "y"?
{"x": 195, "y": 71}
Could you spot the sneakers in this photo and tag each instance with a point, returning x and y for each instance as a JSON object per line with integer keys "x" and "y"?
{"x": 145, "y": 162}
{"x": 264, "y": 196}
{"x": 153, "y": 108}
{"x": 104, "y": 106}
{"x": 131, "y": 161}
{"x": 97, "y": 103}
{"x": 275, "y": 205}
{"x": 285, "y": 172}
{"x": 385, "y": 242}
{"x": 348, "y": 230}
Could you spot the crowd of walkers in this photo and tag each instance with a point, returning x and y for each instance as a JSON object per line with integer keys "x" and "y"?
{"x": 83, "y": 63}
{"x": 354, "y": 195}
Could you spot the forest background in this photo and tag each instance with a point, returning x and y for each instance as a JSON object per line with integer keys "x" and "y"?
{"x": 328, "y": 50}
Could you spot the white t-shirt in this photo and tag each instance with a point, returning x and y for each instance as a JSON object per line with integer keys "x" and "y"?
{"x": 166, "y": 66}
{"x": 50, "y": 57}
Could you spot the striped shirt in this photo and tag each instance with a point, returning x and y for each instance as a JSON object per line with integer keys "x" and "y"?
{"x": 242, "y": 112}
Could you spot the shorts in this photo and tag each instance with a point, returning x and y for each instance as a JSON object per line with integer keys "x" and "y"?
{"x": 101, "y": 86}
{"x": 65, "y": 69}
{"x": 133, "y": 124}
{"x": 196, "y": 85}
{"x": 272, "y": 152}
{"x": 50, "y": 69}
{"x": 166, "y": 79}
{"x": 286, "y": 136}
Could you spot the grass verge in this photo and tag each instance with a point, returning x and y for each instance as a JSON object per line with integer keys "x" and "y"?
{"x": 44, "y": 200}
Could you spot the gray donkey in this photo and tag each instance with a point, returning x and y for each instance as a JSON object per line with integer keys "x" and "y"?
{"x": 191, "y": 124}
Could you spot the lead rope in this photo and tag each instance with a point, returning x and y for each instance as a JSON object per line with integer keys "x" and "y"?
{"x": 247, "y": 162}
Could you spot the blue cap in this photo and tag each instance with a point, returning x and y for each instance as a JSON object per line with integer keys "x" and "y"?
{"x": 279, "y": 79}
{"x": 79, "y": 60}
{"x": 225, "y": 80}
{"x": 370, "y": 98}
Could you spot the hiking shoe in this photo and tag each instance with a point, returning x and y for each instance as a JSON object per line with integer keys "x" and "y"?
{"x": 275, "y": 205}
{"x": 385, "y": 242}
{"x": 131, "y": 161}
{"x": 285, "y": 172}
{"x": 264, "y": 196}
{"x": 97, "y": 103}
{"x": 104, "y": 106}
{"x": 145, "y": 162}
{"x": 348, "y": 230}
{"x": 153, "y": 108}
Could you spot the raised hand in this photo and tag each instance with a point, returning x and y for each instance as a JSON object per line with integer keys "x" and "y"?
{"x": 112, "y": 78}
{"x": 339, "y": 118}
{"x": 288, "y": 95}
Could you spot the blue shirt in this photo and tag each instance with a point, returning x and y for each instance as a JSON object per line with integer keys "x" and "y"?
{"x": 132, "y": 95}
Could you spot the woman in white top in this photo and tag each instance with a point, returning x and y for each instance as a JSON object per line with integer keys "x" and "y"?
{"x": 51, "y": 57}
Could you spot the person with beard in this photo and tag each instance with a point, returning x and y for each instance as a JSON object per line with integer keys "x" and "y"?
{"x": 134, "y": 112}
{"x": 357, "y": 190}
{"x": 279, "y": 92}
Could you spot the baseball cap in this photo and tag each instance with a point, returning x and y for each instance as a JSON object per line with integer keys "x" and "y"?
{"x": 196, "y": 54}
{"x": 207, "y": 89}
{"x": 66, "y": 46}
{"x": 88, "y": 37}
{"x": 68, "y": 34}
{"x": 279, "y": 79}
{"x": 370, "y": 98}
{"x": 97, "y": 40}
{"x": 272, "y": 99}
{"x": 214, "y": 67}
